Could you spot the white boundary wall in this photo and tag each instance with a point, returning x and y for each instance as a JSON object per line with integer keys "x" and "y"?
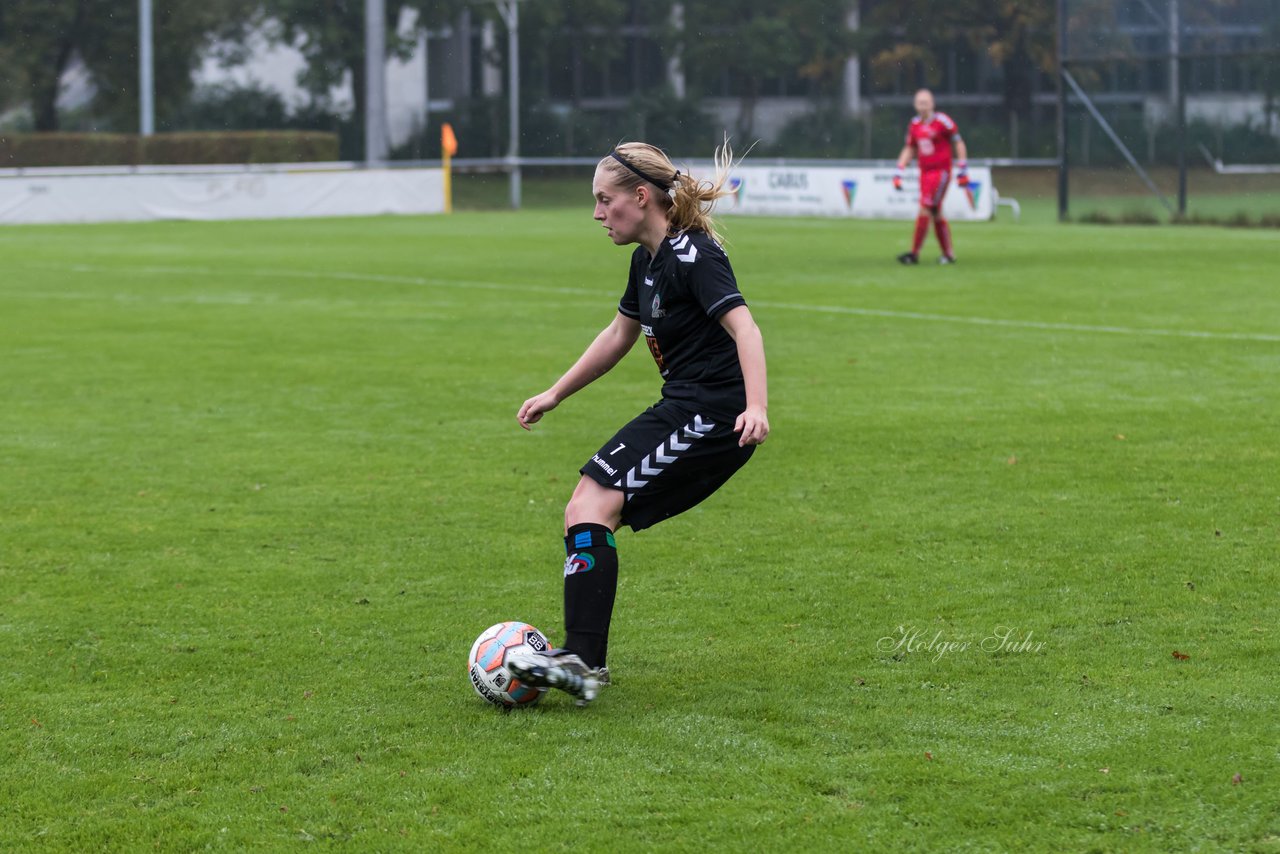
{"x": 281, "y": 192}
{"x": 858, "y": 192}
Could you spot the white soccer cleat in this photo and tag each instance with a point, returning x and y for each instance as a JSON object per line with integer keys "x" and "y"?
{"x": 556, "y": 669}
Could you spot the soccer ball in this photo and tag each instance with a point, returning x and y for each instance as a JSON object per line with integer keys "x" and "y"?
{"x": 487, "y": 663}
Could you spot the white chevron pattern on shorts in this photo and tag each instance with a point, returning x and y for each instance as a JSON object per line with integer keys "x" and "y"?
{"x": 697, "y": 429}
{"x": 666, "y": 453}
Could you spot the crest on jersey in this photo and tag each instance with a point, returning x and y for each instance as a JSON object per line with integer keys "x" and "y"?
{"x": 656, "y": 310}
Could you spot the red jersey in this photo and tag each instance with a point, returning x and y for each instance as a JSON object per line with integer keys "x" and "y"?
{"x": 932, "y": 140}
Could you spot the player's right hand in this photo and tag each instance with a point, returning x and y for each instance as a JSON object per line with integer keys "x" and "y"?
{"x": 534, "y": 408}
{"x": 753, "y": 424}
{"x": 897, "y": 180}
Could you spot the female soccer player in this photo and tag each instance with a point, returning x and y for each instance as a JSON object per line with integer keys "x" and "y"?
{"x": 930, "y": 139}
{"x": 682, "y": 296}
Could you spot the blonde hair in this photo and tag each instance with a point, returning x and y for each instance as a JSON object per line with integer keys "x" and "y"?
{"x": 688, "y": 201}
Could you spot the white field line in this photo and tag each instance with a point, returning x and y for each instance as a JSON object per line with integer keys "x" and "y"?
{"x": 1022, "y": 324}
{"x": 426, "y": 281}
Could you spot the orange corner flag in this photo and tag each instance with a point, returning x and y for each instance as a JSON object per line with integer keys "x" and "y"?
{"x": 448, "y": 142}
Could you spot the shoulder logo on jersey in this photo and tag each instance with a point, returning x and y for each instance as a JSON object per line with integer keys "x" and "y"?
{"x": 681, "y": 242}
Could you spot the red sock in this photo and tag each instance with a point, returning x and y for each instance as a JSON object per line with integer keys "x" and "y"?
{"x": 922, "y": 228}
{"x": 943, "y": 229}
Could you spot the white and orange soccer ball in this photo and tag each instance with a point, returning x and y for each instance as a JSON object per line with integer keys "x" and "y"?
{"x": 487, "y": 665}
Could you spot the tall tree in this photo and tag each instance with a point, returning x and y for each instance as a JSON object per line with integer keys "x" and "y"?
{"x": 1017, "y": 35}
{"x": 330, "y": 34}
{"x": 755, "y": 40}
{"x": 41, "y": 38}
{"x": 37, "y": 41}
{"x": 185, "y": 30}
{"x": 573, "y": 37}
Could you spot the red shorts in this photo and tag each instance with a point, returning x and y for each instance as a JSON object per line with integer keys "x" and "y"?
{"x": 933, "y": 187}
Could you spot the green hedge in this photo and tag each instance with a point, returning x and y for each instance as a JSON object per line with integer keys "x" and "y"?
{"x": 68, "y": 149}
{"x": 297, "y": 146}
{"x": 165, "y": 149}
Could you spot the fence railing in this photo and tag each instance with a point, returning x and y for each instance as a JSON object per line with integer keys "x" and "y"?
{"x": 473, "y": 164}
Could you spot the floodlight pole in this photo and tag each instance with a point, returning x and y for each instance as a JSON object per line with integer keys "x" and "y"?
{"x": 1180, "y": 100}
{"x": 510, "y": 11}
{"x": 425, "y": 42}
{"x": 375, "y": 82}
{"x": 146, "y": 70}
{"x": 1063, "y": 166}
{"x": 1182, "y": 145}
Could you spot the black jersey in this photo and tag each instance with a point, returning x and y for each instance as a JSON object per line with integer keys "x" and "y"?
{"x": 679, "y": 296}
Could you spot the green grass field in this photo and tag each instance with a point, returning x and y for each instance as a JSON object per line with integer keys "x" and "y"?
{"x": 262, "y": 486}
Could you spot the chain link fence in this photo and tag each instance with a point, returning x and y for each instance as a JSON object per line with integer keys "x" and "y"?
{"x": 1171, "y": 109}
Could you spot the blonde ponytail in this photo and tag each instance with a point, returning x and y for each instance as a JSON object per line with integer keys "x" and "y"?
{"x": 689, "y": 201}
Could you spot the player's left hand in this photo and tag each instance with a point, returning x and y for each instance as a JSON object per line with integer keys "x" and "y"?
{"x": 753, "y": 425}
{"x": 962, "y": 174}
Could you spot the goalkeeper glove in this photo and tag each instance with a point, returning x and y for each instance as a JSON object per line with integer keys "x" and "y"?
{"x": 962, "y": 173}
{"x": 897, "y": 178}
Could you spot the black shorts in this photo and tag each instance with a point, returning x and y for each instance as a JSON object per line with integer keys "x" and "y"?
{"x": 666, "y": 460}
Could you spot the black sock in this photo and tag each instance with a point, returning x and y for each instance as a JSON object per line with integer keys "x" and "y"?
{"x": 590, "y": 583}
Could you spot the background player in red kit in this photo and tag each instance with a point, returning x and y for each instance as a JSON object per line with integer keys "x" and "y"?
{"x": 930, "y": 138}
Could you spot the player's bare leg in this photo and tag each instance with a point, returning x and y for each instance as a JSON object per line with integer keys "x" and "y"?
{"x": 592, "y": 502}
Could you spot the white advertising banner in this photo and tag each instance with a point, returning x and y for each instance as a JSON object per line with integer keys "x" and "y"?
{"x": 34, "y": 198}
{"x": 861, "y": 192}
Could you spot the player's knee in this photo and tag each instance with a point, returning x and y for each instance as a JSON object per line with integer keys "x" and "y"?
{"x": 592, "y": 502}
